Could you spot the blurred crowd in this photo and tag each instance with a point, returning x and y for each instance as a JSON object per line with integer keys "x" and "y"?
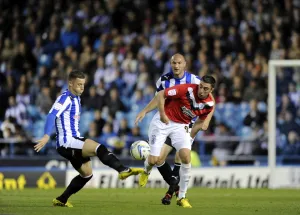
{"x": 124, "y": 46}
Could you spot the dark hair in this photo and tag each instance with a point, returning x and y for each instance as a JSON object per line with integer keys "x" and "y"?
{"x": 209, "y": 79}
{"x": 76, "y": 74}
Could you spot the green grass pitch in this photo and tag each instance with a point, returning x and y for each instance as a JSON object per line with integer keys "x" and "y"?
{"x": 146, "y": 201}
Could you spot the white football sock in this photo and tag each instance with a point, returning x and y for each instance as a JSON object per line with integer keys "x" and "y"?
{"x": 147, "y": 166}
{"x": 185, "y": 174}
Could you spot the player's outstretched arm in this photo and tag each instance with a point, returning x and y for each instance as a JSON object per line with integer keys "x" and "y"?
{"x": 161, "y": 106}
{"x": 50, "y": 121}
{"x": 206, "y": 122}
{"x": 150, "y": 106}
{"x": 197, "y": 127}
{"x": 41, "y": 143}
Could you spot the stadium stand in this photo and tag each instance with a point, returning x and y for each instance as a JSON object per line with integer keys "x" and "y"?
{"x": 124, "y": 46}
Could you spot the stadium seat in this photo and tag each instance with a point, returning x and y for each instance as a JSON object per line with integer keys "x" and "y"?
{"x": 262, "y": 106}
{"x": 38, "y": 128}
{"x": 131, "y": 117}
{"x": 246, "y": 132}
{"x": 33, "y": 112}
{"x": 245, "y": 106}
{"x": 85, "y": 120}
{"x": 45, "y": 60}
{"x": 120, "y": 115}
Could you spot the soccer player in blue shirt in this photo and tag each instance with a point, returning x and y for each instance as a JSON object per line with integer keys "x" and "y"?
{"x": 177, "y": 76}
{"x": 65, "y": 115}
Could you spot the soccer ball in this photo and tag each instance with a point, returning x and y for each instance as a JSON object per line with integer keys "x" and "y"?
{"x": 140, "y": 150}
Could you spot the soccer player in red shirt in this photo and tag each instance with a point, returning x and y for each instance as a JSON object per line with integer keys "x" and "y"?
{"x": 177, "y": 76}
{"x": 177, "y": 106}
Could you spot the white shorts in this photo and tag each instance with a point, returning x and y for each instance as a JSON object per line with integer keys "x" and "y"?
{"x": 70, "y": 142}
{"x": 159, "y": 131}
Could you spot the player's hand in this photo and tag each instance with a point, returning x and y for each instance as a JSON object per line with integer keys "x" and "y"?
{"x": 41, "y": 143}
{"x": 139, "y": 117}
{"x": 164, "y": 118}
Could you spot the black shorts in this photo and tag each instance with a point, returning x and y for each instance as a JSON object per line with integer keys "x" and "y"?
{"x": 73, "y": 155}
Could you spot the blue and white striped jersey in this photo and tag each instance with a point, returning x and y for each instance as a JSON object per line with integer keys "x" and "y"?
{"x": 67, "y": 109}
{"x": 168, "y": 80}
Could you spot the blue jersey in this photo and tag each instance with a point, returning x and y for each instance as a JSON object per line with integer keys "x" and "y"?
{"x": 67, "y": 109}
{"x": 168, "y": 80}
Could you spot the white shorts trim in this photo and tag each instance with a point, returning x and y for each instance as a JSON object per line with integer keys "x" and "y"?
{"x": 71, "y": 142}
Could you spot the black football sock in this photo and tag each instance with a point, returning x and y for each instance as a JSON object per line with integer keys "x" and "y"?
{"x": 76, "y": 184}
{"x": 172, "y": 188}
{"x": 166, "y": 171}
{"x": 109, "y": 159}
{"x": 174, "y": 179}
{"x": 175, "y": 172}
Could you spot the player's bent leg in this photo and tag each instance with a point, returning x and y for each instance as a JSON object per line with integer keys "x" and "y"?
{"x": 166, "y": 171}
{"x": 163, "y": 166}
{"x": 148, "y": 165}
{"x": 175, "y": 174}
{"x": 177, "y": 165}
{"x": 77, "y": 183}
{"x": 165, "y": 151}
{"x": 157, "y": 136}
{"x": 89, "y": 148}
{"x": 92, "y": 148}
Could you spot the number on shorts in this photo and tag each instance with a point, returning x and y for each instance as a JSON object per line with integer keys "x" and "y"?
{"x": 186, "y": 129}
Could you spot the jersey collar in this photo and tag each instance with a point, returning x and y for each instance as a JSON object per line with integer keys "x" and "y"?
{"x": 179, "y": 78}
{"x": 71, "y": 94}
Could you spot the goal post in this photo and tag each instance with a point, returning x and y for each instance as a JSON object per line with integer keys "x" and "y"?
{"x": 273, "y": 64}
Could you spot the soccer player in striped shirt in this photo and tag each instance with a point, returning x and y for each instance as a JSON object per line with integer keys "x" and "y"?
{"x": 177, "y": 76}
{"x": 65, "y": 116}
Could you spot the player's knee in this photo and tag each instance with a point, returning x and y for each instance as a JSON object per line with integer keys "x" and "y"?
{"x": 85, "y": 170}
{"x": 152, "y": 160}
{"x": 89, "y": 148}
{"x": 185, "y": 158}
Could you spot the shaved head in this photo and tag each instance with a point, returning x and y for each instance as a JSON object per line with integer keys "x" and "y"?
{"x": 178, "y": 65}
{"x": 177, "y": 56}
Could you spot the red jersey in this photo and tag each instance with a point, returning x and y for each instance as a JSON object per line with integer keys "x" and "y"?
{"x": 183, "y": 104}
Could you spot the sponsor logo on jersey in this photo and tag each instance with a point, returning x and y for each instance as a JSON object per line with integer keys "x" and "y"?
{"x": 188, "y": 112}
{"x": 172, "y": 92}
